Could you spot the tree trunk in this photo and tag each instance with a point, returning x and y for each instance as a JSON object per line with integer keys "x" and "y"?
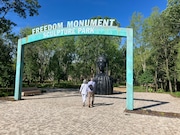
{"x": 170, "y": 86}
{"x": 143, "y": 64}
{"x": 146, "y": 87}
{"x": 167, "y": 69}
{"x": 162, "y": 85}
{"x": 175, "y": 83}
{"x": 155, "y": 80}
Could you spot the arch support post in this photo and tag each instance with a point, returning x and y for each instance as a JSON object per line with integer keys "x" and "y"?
{"x": 129, "y": 70}
{"x": 19, "y": 71}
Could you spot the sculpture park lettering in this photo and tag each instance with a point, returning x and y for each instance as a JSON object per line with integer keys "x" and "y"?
{"x": 68, "y": 31}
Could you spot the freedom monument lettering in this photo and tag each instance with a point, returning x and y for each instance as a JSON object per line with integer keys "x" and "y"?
{"x": 73, "y": 27}
{"x": 78, "y": 28}
{"x": 76, "y": 23}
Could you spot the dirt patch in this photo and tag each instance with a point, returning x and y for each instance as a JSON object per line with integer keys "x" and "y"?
{"x": 155, "y": 113}
{"x": 7, "y": 99}
{"x": 119, "y": 89}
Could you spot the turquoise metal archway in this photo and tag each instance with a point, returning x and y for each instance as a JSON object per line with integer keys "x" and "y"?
{"x": 77, "y": 31}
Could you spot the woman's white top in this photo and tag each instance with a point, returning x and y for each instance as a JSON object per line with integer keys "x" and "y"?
{"x": 84, "y": 88}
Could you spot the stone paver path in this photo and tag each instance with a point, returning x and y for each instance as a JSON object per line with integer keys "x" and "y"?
{"x": 62, "y": 113}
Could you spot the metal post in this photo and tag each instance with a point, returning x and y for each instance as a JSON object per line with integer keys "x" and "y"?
{"x": 129, "y": 70}
{"x": 19, "y": 71}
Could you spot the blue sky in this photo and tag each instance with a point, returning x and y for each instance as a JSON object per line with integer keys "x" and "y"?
{"x": 53, "y": 11}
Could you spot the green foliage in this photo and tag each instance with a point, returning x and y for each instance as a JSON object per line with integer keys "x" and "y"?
{"x": 150, "y": 90}
{"x": 176, "y": 94}
{"x": 115, "y": 84}
{"x": 89, "y": 48}
{"x": 138, "y": 89}
{"x": 7, "y": 40}
{"x": 4, "y": 92}
{"x": 67, "y": 85}
{"x": 60, "y": 63}
{"x": 145, "y": 78}
{"x": 172, "y": 15}
{"x": 6, "y": 66}
{"x": 156, "y": 39}
{"x": 31, "y": 66}
{"x": 20, "y": 7}
{"x": 160, "y": 90}
{"x": 178, "y": 62}
{"x": 141, "y": 48}
{"x": 49, "y": 84}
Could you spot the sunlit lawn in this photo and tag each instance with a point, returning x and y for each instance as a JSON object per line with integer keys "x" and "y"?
{"x": 142, "y": 89}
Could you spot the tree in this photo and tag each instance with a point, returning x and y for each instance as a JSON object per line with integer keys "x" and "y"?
{"x": 178, "y": 63}
{"x": 20, "y": 7}
{"x": 153, "y": 62}
{"x": 172, "y": 16}
{"x": 141, "y": 48}
{"x": 7, "y": 39}
{"x": 89, "y": 48}
{"x": 60, "y": 63}
{"x": 146, "y": 78}
{"x": 161, "y": 39}
{"x": 6, "y": 65}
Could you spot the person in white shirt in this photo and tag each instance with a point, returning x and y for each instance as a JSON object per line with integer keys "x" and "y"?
{"x": 91, "y": 90}
{"x": 84, "y": 91}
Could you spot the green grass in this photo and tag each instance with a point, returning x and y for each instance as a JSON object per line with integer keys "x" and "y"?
{"x": 176, "y": 94}
{"x": 139, "y": 89}
{"x": 142, "y": 89}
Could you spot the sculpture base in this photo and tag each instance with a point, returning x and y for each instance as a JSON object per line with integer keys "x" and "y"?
{"x": 104, "y": 85}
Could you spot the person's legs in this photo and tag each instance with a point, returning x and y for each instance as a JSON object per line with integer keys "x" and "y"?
{"x": 92, "y": 99}
{"x": 89, "y": 98}
{"x": 84, "y": 99}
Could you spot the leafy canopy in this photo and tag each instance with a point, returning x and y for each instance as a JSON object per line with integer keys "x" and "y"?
{"x": 22, "y": 8}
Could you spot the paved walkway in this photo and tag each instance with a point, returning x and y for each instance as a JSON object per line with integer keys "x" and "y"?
{"x": 61, "y": 113}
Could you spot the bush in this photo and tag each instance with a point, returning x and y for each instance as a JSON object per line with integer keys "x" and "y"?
{"x": 66, "y": 85}
{"x": 6, "y": 92}
{"x": 145, "y": 78}
{"x": 150, "y": 90}
{"x": 160, "y": 90}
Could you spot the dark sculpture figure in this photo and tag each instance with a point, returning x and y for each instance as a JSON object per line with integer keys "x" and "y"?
{"x": 104, "y": 84}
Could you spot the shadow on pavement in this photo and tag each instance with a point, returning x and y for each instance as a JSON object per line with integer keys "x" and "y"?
{"x": 102, "y": 104}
